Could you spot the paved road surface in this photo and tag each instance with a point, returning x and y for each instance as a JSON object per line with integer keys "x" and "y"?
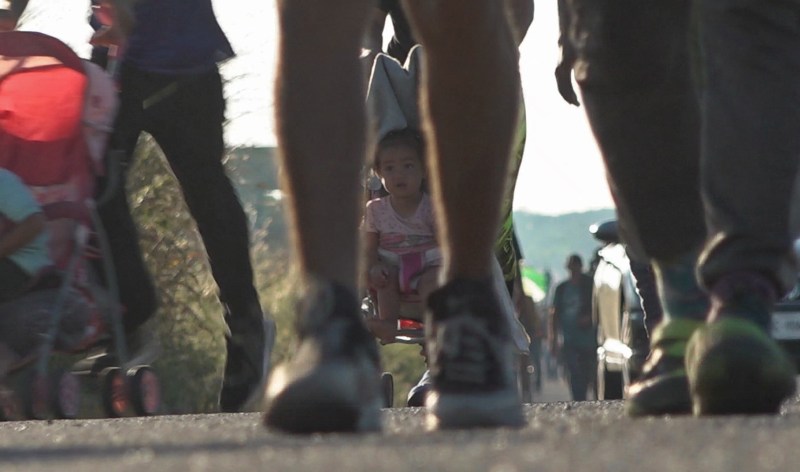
{"x": 560, "y": 437}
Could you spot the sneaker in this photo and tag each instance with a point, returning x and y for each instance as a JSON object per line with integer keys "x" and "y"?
{"x": 249, "y": 345}
{"x": 471, "y": 359}
{"x": 663, "y": 388}
{"x": 419, "y": 392}
{"x": 733, "y": 366}
{"x": 332, "y": 384}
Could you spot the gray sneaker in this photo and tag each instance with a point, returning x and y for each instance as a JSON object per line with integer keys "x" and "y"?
{"x": 249, "y": 350}
{"x": 471, "y": 359}
{"x": 333, "y": 382}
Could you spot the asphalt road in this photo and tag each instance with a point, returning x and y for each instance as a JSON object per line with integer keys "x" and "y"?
{"x": 560, "y": 436}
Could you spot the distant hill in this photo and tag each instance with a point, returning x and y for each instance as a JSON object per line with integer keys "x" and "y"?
{"x": 547, "y": 240}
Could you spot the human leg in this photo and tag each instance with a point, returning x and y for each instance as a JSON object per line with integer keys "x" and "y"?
{"x": 331, "y": 384}
{"x": 633, "y": 68}
{"x": 389, "y": 297}
{"x": 186, "y": 122}
{"x": 749, "y": 168}
{"x": 469, "y": 105}
{"x": 384, "y": 327}
{"x": 137, "y": 292}
{"x": 575, "y": 378}
{"x": 428, "y": 282}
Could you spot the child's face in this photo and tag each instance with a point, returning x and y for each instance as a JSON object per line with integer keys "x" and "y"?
{"x": 401, "y": 171}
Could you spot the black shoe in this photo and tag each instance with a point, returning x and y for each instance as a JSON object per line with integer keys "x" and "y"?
{"x": 471, "y": 359}
{"x": 663, "y": 388}
{"x": 249, "y": 349}
{"x": 332, "y": 384}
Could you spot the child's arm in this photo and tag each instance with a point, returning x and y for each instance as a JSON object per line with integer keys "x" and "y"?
{"x": 21, "y": 234}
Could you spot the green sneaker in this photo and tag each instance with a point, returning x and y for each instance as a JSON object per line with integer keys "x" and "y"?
{"x": 734, "y": 367}
{"x": 663, "y": 388}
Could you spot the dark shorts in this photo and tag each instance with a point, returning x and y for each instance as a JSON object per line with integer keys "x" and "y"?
{"x": 13, "y": 280}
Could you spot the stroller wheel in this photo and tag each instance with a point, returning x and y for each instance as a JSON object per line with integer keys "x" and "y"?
{"x": 387, "y": 387}
{"x": 37, "y": 400}
{"x": 66, "y": 395}
{"x": 114, "y": 386}
{"x": 145, "y": 390}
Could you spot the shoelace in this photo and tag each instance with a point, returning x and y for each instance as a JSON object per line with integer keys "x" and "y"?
{"x": 465, "y": 350}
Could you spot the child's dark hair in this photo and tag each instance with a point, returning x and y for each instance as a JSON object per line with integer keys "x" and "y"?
{"x": 406, "y": 137}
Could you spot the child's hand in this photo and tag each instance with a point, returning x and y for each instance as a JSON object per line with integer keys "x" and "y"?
{"x": 378, "y": 276}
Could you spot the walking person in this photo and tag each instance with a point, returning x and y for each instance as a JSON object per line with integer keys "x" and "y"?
{"x": 170, "y": 87}
{"x": 572, "y": 335}
{"x": 696, "y": 108}
{"x": 470, "y": 106}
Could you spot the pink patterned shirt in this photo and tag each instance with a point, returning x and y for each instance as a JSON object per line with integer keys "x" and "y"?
{"x": 400, "y": 235}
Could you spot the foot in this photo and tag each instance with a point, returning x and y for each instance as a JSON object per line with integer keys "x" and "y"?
{"x": 333, "y": 382}
{"x": 663, "y": 388}
{"x": 249, "y": 348}
{"x": 733, "y": 366}
{"x": 419, "y": 392}
{"x": 471, "y": 360}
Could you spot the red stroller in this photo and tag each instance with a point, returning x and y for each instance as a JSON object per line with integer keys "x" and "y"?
{"x": 56, "y": 111}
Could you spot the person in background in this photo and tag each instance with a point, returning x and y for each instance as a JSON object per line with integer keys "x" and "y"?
{"x": 400, "y": 223}
{"x": 572, "y": 335}
{"x": 400, "y": 45}
{"x": 529, "y": 317}
{"x": 170, "y": 87}
{"x": 23, "y": 239}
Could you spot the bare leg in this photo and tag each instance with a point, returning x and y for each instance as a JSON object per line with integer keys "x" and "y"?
{"x": 385, "y": 327}
{"x": 469, "y": 104}
{"x": 332, "y": 382}
{"x": 389, "y": 298}
{"x": 321, "y": 131}
{"x": 428, "y": 282}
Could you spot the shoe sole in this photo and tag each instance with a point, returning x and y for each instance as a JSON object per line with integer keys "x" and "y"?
{"x": 665, "y": 396}
{"x": 739, "y": 370}
{"x": 327, "y": 399}
{"x": 501, "y": 409}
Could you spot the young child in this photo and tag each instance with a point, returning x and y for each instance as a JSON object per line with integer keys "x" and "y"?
{"x": 397, "y": 225}
{"x": 23, "y": 240}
